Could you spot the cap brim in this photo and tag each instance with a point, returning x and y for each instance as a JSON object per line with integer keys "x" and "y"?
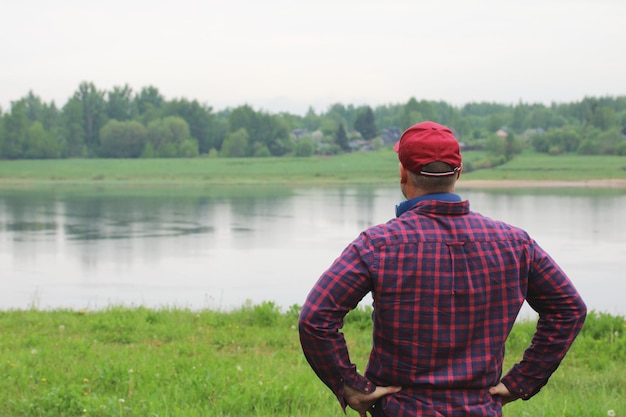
{"x": 440, "y": 174}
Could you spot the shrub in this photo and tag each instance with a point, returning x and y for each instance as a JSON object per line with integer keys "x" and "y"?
{"x": 305, "y": 147}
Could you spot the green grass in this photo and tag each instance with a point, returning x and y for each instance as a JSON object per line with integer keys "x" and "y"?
{"x": 361, "y": 167}
{"x": 357, "y": 167}
{"x": 532, "y": 166}
{"x": 247, "y": 362}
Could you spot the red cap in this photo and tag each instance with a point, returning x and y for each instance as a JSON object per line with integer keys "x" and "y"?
{"x": 428, "y": 142}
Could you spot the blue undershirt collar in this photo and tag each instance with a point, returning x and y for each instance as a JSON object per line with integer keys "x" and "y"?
{"x": 408, "y": 204}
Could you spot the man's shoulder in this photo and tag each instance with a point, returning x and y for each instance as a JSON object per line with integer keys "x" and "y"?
{"x": 496, "y": 225}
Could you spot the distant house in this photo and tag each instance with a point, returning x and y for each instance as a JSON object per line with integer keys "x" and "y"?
{"x": 528, "y": 134}
{"x": 360, "y": 145}
{"x": 298, "y": 133}
{"x": 390, "y": 135}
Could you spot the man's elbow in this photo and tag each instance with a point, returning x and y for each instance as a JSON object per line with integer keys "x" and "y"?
{"x": 580, "y": 312}
{"x": 304, "y": 321}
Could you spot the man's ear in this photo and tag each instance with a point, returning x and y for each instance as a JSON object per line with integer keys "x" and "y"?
{"x": 458, "y": 173}
{"x": 404, "y": 176}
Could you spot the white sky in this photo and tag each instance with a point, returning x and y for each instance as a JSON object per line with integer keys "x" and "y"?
{"x": 287, "y": 55}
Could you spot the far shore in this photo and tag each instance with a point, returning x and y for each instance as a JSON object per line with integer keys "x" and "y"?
{"x": 12, "y": 183}
{"x": 606, "y": 183}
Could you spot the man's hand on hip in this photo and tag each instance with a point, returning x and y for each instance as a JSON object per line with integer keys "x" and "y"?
{"x": 362, "y": 402}
{"x": 503, "y": 392}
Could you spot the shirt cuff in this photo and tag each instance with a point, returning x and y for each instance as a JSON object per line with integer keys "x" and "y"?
{"x": 357, "y": 382}
{"x": 516, "y": 388}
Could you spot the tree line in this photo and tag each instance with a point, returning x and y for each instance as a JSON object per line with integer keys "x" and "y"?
{"x": 121, "y": 123}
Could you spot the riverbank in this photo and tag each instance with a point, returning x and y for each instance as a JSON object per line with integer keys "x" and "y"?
{"x": 595, "y": 183}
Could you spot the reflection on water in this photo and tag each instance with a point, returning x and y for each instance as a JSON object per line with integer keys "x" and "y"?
{"x": 216, "y": 248}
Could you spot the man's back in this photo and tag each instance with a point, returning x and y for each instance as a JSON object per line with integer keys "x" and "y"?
{"x": 447, "y": 285}
{"x": 448, "y": 288}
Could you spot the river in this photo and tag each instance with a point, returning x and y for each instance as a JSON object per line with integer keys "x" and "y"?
{"x": 219, "y": 248}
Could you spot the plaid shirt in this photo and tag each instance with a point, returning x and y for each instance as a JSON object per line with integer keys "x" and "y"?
{"x": 447, "y": 285}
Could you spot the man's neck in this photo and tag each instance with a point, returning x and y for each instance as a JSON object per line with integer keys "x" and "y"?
{"x": 414, "y": 192}
{"x": 410, "y": 203}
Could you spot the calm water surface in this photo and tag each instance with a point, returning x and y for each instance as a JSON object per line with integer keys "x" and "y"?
{"x": 219, "y": 248}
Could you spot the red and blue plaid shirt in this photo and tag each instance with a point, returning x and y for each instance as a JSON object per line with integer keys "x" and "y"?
{"x": 447, "y": 285}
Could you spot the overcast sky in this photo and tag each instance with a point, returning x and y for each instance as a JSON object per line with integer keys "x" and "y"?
{"x": 287, "y": 55}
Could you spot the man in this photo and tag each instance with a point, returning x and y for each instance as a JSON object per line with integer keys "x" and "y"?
{"x": 447, "y": 285}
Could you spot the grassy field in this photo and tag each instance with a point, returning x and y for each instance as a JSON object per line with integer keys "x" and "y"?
{"x": 542, "y": 167}
{"x": 361, "y": 167}
{"x": 247, "y": 362}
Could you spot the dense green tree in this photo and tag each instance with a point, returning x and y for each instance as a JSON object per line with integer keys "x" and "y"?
{"x": 167, "y": 134}
{"x": 38, "y": 111}
{"x": 40, "y": 143}
{"x": 603, "y": 118}
{"x": 540, "y": 143}
{"x": 93, "y": 114}
{"x": 328, "y": 126}
{"x": 120, "y": 105}
{"x": 589, "y": 147}
{"x": 219, "y": 131}
{"x": 520, "y": 113}
{"x": 305, "y": 147}
{"x": 263, "y": 129}
{"x": 343, "y": 114}
{"x": 556, "y": 141}
{"x": 609, "y": 141}
{"x": 339, "y": 114}
{"x": 72, "y": 130}
{"x": 512, "y": 146}
{"x": 15, "y": 127}
{"x": 2, "y": 136}
{"x": 236, "y": 144}
{"x": 243, "y": 117}
{"x": 426, "y": 109}
{"x": 188, "y": 148}
{"x": 495, "y": 145}
{"x": 483, "y": 109}
{"x": 200, "y": 119}
{"x": 341, "y": 138}
{"x": 276, "y": 135}
{"x": 450, "y": 116}
{"x": 539, "y": 117}
{"x": 387, "y": 116}
{"x": 311, "y": 120}
{"x": 148, "y": 151}
{"x": 149, "y": 103}
{"x": 261, "y": 151}
{"x": 39, "y": 134}
{"x": 125, "y": 139}
{"x": 169, "y": 150}
{"x": 364, "y": 123}
{"x": 621, "y": 120}
{"x": 29, "y": 129}
{"x": 411, "y": 114}
{"x": 569, "y": 138}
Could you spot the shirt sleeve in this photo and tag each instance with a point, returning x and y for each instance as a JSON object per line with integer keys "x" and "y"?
{"x": 561, "y": 312}
{"x": 336, "y": 292}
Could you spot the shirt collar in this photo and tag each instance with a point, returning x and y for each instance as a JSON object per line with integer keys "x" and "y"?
{"x": 409, "y": 204}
